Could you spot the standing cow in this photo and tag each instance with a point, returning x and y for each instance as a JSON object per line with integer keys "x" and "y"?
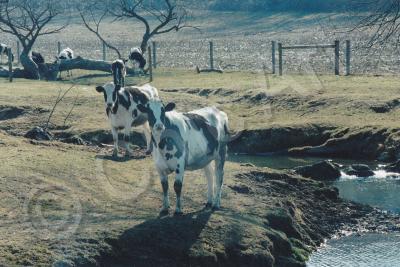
{"x": 119, "y": 71}
{"x": 65, "y": 55}
{"x": 122, "y": 112}
{"x": 188, "y": 141}
{"x": 136, "y": 56}
{"x": 4, "y": 49}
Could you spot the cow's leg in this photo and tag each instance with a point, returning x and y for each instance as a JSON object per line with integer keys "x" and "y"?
{"x": 115, "y": 137}
{"x": 164, "y": 185}
{"x": 128, "y": 151}
{"x": 147, "y": 134}
{"x": 219, "y": 175}
{"x": 178, "y": 184}
{"x": 208, "y": 171}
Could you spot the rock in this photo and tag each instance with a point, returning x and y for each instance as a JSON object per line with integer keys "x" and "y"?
{"x": 329, "y": 193}
{"x": 321, "y": 171}
{"x": 39, "y": 134}
{"x": 359, "y": 170}
{"x": 394, "y": 167}
{"x": 280, "y": 219}
{"x": 76, "y": 140}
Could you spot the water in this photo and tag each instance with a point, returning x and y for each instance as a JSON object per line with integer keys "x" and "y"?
{"x": 382, "y": 191}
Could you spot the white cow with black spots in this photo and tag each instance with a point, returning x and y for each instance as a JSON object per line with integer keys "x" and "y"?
{"x": 4, "y": 49}
{"x": 65, "y": 55}
{"x": 121, "y": 109}
{"x": 188, "y": 141}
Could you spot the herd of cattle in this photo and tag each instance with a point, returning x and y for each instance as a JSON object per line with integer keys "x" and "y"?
{"x": 177, "y": 141}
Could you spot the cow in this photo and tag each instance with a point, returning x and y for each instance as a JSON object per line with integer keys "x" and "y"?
{"x": 37, "y": 58}
{"x": 121, "y": 109}
{"x": 4, "y": 51}
{"x": 65, "y": 55}
{"x": 119, "y": 71}
{"x": 188, "y": 141}
{"x": 136, "y": 56}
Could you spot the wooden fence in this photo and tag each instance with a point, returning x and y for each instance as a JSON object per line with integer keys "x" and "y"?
{"x": 335, "y": 46}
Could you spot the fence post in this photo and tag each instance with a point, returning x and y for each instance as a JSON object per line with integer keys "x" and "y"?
{"x": 280, "y": 59}
{"x": 273, "y": 57}
{"x": 348, "y": 57}
{"x": 337, "y": 45}
{"x": 211, "y": 55}
{"x": 58, "y": 48}
{"x": 18, "y": 52}
{"x": 10, "y": 66}
{"x": 104, "y": 52}
{"x": 154, "y": 55}
{"x": 150, "y": 65}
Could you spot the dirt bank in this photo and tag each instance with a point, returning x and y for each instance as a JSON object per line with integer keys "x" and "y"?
{"x": 322, "y": 141}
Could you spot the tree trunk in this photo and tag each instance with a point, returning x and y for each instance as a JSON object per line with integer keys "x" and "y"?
{"x": 30, "y": 67}
{"x": 145, "y": 40}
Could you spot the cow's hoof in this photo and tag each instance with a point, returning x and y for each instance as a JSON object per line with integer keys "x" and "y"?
{"x": 178, "y": 213}
{"x": 215, "y": 207}
{"x": 164, "y": 212}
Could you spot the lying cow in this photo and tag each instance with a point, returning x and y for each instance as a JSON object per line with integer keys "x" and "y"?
{"x": 188, "y": 141}
{"x": 121, "y": 108}
{"x": 37, "y": 58}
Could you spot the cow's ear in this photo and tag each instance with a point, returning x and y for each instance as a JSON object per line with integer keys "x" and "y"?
{"x": 142, "y": 108}
{"x": 169, "y": 107}
{"x": 100, "y": 89}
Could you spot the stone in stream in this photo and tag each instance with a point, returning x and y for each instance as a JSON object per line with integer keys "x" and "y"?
{"x": 321, "y": 171}
{"x": 394, "y": 167}
{"x": 359, "y": 170}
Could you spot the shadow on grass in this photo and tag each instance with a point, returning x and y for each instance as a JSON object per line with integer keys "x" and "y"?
{"x": 164, "y": 241}
{"x": 120, "y": 159}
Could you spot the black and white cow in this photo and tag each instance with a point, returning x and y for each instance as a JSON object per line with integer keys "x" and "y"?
{"x": 188, "y": 141}
{"x": 37, "y": 58}
{"x": 65, "y": 54}
{"x": 122, "y": 112}
{"x": 119, "y": 71}
{"x": 4, "y": 51}
{"x": 136, "y": 56}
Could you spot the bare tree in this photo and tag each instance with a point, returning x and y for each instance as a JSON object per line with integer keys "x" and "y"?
{"x": 92, "y": 16}
{"x": 169, "y": 15}
{"x": 27, "y": 20}
{"x": 383, "y": 18}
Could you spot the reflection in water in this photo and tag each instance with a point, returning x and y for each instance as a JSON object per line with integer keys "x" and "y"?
{"x": 359, "y": 251}
{"x": 382, "y": 191}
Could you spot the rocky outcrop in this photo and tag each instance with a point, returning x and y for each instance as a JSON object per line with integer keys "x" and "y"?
{"x": 321, "y": 171}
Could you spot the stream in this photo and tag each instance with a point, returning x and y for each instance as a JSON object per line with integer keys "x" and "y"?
{"x": 381, "y": 190}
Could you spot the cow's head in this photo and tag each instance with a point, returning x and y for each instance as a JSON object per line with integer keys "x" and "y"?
{"x": 156, "y": 110}
{"x": 110, "y": 92}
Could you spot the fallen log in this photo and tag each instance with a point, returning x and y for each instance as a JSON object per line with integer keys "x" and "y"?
{"x": 50, "y": 71}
